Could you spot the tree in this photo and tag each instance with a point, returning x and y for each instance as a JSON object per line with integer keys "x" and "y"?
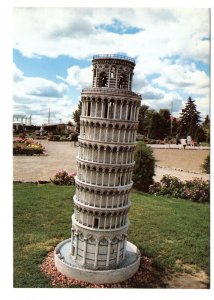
{"x": 206, "y": 128}
{"x": 157, "y": 126}
{"x": 77, "y": 114}
{"x": 189, "y": 119}
{"x": 142, "y": 119}
{"x": 175, "y": 126}
{"x": 165, "y": 114}
{"x": 144, "y": 168}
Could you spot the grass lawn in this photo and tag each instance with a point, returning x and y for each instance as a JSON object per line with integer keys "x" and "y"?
{"x": 173, "y": 232}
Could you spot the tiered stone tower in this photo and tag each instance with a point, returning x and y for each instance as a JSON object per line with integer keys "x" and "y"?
{"x": 98, "y": 248}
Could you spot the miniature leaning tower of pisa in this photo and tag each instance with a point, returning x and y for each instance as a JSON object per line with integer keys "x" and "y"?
{"x": 98, "y": 250}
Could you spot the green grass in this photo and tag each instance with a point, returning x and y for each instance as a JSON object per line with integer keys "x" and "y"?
{"x": 166, "y": 230}
{"x": 170, "y": 230}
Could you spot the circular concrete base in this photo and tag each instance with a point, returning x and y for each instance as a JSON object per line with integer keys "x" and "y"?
{"x": 68, "y": 267}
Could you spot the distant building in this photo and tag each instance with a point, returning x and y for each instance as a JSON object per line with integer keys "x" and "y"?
{"x": 61, "y": 128}
{"x": 20, "y": 122}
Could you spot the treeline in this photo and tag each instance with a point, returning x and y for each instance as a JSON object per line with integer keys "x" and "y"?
{"x": 159, "y": 125}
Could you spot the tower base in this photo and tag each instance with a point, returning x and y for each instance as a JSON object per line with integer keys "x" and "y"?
{"x": 68, "y": 267}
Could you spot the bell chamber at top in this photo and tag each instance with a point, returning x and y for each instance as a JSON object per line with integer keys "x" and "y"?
{"x": 113, "y": 71}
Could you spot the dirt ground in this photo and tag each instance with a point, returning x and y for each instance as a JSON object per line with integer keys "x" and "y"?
{"x": 184, "y": 164}
{"x": 186, "y": 160}
{"x": 60, "y": 155}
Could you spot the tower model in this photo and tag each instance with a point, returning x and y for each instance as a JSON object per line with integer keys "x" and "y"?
{"x": 98, "y": 250}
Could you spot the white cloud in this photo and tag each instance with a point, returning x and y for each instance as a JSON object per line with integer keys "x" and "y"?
{"x": 17, "y": 74}
{"x": 73, "y": 32}
{"x": 34, "y": 95}
{"x": 78, "y": 77}
{"x": 168, "y": 38}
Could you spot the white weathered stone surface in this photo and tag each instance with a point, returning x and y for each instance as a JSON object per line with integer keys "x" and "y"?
{"x": 105, "y": 162}
{"x": 67, "y": 266}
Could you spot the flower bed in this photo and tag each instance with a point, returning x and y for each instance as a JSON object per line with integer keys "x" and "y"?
{"x": 26, "y": 146}
{"x": 197, "y": 189}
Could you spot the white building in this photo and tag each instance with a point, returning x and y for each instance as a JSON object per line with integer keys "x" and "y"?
{"x": 20, "y": 120}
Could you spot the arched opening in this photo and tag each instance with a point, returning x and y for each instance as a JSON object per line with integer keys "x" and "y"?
{"x": 129, "y": 111}
{"x": 89, "y": 109}
{"x": 122, "y": 81}
{"x": 103, "y": 79}
{"x": 105, "y": 108}
{"x": 111, "y": 109}
{"x": 112, "y": 72}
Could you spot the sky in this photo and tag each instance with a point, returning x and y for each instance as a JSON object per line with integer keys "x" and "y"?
{"x": 53, "y": 49}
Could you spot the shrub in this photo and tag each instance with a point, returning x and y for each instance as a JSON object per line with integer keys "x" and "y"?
{"x": 74, "y": 137}
{"x": 155, "y": 188}
{"x": 54, "y": 138}
{"x": 196, "y": 190}
{"x": 206, "y": 165}
{"x": 171, "y": 186}
{"x": 144, "y": 167}
{"x": 62, "y": 177}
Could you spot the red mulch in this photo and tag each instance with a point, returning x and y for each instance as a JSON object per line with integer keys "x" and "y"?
{"x": 147, "y": 276}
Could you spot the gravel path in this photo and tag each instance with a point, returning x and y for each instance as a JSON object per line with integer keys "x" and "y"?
{"x": 184, "y": 164}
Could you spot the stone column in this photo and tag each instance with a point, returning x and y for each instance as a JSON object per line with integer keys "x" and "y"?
{"x": 104, "y": 155}
{"x": 121, "y": 108}
{"x": 96, "y": 177}
{"x": 85, "y": 250}
{"x": 109, "y": 177}
{"x": 115, "y": 108}
{"x": 76, "y": 246}
{"x": 102, "y": 108}
{"x": 109, "y": 76}
{"x": 118, "y": 252}
{"x": 117, "y": 156}
{"x": 91, "y": 175}
{"x": 100, "y": 133}
{"x": 116, "y": 78}
{"x": 110, "y": 156}
{"x": 124, "y": 246}
{"x": 127, "y": 108}
{"x": 72, "y": 241}
{"x": 96, "y": 109}
{"x": 96, "y": 253}
{"x": 129, "y": 81}
{"x": 96, "y": 77}
{"x": 108, "y": 253}
{"x": 94, "y": 135}
{"x": 106, "y": 133}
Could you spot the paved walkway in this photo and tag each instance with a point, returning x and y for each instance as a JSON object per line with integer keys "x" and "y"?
{"x": 62, "y": 155}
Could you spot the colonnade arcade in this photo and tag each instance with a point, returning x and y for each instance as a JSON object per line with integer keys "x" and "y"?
{"x": 104, "y": 175}
{"x": 108, "y": 132}
{"x": 111, "y": 154}
{"x": 100, "y": 220}
{"x": 110, "y": 108}
{"x": 102, "y": 198}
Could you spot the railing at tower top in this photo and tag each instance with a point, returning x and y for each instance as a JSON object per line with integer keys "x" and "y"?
{"x": 117, "y": 56}
{"x": 105, "y": 90}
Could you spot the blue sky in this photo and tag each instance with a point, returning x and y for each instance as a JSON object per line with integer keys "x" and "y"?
{"x": 53, "y": 48}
